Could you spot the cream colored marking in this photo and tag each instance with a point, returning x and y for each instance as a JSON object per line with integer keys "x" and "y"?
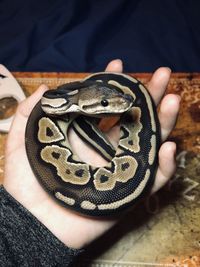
{"x": 75, "y": 92}
{"x": 61, "y": 110}
{"x": 73, "y": 108}
{"x": 99, "y": 148}
{"x": 134, "y": 130}
{"x": 55, "y": 102}
{"x": 45, "y": 123}
{"x": 115, "y": 73}
{"x": 102, "y": 136}
{"x": 125, "y": 89}
{"x": 127, "y": 174}
{"x": 118, "y": 175}
{"x": 68, "y": 200}
{"x": 87, "y": 205}
{"x": 152, "y": 152}
{"x": 107, "y": 185}
{"x": 129, "y": 198}
{"x": 150, "y": 107}
{"x": 63, "y": 125}
{"x": 99, "y": 81}
{"x": 66, "y": 170}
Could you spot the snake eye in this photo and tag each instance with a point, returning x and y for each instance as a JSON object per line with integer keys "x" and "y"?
{"x": 104, "y": 102}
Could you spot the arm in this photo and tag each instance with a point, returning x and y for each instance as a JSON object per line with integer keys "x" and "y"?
{"x": 24, "y": 241}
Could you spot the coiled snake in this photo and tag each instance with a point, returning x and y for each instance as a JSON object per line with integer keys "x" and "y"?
{"x": 90, "y": 190}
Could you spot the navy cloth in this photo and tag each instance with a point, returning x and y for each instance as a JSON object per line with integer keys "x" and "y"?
{"x": 82, "y": 36}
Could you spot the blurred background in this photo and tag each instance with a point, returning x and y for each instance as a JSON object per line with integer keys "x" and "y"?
{"x": 82, "y": 36}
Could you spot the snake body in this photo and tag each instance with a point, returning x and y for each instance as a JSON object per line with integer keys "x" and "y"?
{"x": 130, "y": 172}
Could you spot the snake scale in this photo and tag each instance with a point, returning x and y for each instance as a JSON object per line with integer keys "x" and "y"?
{"x": 130, "y": 171}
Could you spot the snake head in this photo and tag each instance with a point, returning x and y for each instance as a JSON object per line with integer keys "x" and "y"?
{"x": 89, "y": 97}
{"x": 104, "y": 99}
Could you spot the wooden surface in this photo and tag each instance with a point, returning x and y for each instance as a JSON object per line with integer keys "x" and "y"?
{"x": 167, "y": 228}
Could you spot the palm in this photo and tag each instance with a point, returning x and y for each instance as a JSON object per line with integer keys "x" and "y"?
{"x": 22, "y": 184}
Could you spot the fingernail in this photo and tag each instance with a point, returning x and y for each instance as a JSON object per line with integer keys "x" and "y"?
{"x": 170, "y": 70}
{"x": 119, "y": 61}
{"x": 178, "y": 97}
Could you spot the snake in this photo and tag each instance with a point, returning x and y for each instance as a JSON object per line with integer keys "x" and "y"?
{"x": 131, "y": 166}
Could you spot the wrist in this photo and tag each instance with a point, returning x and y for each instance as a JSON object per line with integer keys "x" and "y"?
{"x": 58, "y": 220}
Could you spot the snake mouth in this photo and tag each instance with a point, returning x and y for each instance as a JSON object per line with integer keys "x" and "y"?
{"x": 95, "y": 110}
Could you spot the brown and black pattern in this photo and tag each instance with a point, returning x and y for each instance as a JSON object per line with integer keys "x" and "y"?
{"x": 132, "y": 167}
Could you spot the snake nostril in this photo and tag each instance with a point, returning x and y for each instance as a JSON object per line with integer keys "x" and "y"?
{"x": 128, "y": 97}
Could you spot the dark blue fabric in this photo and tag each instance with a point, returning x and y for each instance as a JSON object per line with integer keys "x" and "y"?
{"x": 77, "y": 35}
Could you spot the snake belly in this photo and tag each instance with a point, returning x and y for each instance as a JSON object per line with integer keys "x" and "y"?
{"x": 90, "y": 190}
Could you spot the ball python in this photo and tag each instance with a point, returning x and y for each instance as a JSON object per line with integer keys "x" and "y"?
{"x": 130, "y": 171}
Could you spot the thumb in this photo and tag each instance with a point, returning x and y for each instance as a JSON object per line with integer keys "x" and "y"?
{"x": 25, "y": 107}
{"x": 17, "y": 130}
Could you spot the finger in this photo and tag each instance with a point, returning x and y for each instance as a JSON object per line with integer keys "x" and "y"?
{"x": 114, "y": 66}
{"x": 168, "y": 114}
{"x": 167, "y": 165}
{"x": 158, "y": 83}
{"x": 26, "y": 106}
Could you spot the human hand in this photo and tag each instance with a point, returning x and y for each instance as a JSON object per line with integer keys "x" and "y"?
{"x": 71, "y": 228}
